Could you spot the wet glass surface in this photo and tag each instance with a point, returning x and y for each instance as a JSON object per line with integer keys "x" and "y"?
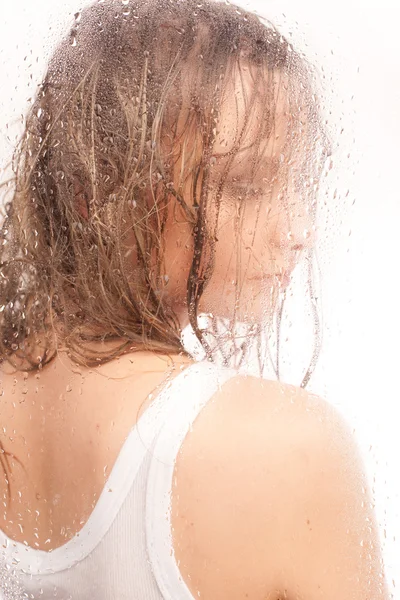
{"x": 231, "y": 201}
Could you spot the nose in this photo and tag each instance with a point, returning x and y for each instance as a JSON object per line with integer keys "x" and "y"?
{"x": 295, "y": 238}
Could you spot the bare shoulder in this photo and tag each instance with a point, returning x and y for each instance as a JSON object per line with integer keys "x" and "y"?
{"x": 271, "y": 500}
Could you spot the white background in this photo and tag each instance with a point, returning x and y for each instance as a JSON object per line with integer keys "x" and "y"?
{"x": 355, "y": 47}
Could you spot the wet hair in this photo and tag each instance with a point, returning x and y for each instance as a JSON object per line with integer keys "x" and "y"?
{"x": 102, "y": 159}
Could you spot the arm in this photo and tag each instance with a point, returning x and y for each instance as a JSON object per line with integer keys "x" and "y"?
{"x": 332, "y": 546}
{"x": 274, "y": 502}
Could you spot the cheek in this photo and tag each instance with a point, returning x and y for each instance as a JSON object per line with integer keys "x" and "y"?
{"x": 243, "y": 242}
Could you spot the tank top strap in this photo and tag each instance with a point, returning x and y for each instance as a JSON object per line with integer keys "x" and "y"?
{"x": 197, "y": 386}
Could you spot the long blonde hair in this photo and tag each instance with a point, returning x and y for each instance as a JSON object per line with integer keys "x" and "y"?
{"x": 98, "y": 158}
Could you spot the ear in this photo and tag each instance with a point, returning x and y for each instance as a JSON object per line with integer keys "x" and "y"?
{"x": 80, "y": 198}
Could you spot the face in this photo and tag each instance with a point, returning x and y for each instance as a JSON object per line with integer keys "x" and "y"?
{"x": 261, "y": 231}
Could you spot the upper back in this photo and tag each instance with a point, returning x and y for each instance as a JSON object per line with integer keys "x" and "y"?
{"x": 63, "y": 429}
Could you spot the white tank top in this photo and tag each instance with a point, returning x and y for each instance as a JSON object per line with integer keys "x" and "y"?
{"x": 124, "y": 551}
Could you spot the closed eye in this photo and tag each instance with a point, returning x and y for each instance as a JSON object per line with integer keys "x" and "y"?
{"x": 239, "y": 185}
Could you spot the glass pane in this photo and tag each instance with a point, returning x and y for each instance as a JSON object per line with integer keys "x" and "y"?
{"x": 294, "y": 250}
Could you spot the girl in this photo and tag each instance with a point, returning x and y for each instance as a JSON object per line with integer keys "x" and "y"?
{"x": 169, "y": 167}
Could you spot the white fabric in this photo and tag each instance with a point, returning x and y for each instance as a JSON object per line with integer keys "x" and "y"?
{"x": 124, "y": 550}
